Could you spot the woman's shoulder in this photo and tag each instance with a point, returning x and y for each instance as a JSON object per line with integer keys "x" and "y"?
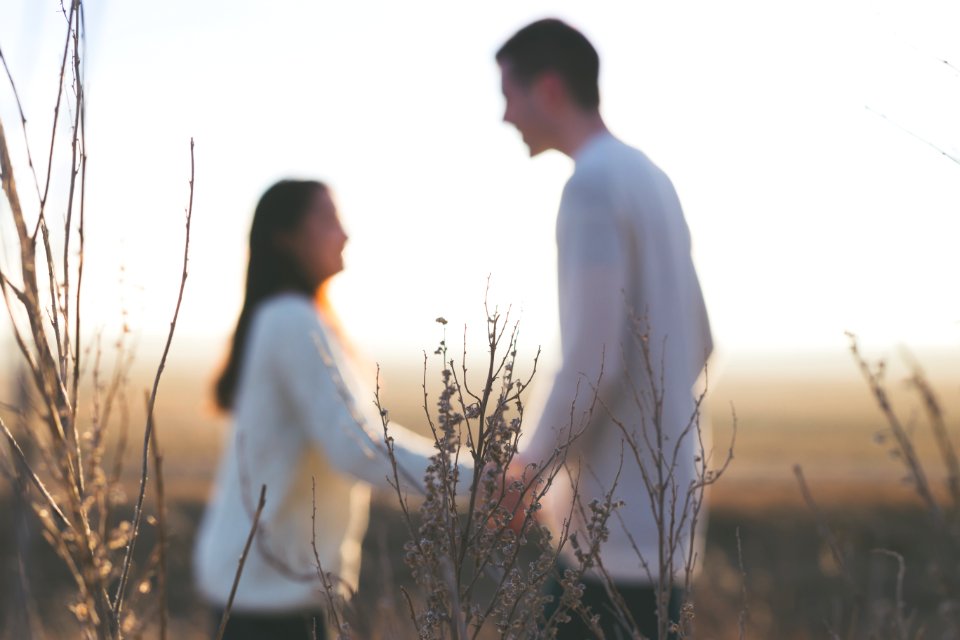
{"x": 285, "y": 312}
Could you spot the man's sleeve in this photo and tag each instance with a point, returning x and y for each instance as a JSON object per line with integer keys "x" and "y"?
{"x": 591, "y": 278}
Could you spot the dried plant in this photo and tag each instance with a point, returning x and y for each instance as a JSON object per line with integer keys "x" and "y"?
{"x": 261, "y": 503}
{"x": 866, "y": 613}
{"x": 943, "y": 515}
{"x": 477, "y": 552}
{"x": 61, "y": 452}
{"x": 676, "y": 468}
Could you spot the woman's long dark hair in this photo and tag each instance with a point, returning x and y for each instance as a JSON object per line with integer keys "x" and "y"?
{"x": 271, "y": 269}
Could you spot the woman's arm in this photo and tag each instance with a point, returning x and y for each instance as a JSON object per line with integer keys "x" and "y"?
{"x": 309, "y": 374}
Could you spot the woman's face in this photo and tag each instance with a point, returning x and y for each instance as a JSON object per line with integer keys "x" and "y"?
{"x": 317, "y": 242}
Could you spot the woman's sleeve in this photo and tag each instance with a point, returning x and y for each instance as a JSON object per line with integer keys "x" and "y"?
{"x": 310, "y": 379}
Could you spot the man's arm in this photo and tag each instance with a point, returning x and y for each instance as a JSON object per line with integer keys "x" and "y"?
{"x": 592, "y": 275}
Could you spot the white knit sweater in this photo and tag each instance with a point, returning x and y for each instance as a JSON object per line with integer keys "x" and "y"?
{"x": 300, "y": 417}
{"x": 623, "y": 249}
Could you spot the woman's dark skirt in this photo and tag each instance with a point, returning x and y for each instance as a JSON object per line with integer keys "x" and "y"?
{"x": 288, "y": 626}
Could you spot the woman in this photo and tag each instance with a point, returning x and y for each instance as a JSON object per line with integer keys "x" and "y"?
{"x": 297, "y": 428}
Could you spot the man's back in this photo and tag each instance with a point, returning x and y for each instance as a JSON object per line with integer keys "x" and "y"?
{"x": 632, "y": 319}
{"x": 652, "y": 243}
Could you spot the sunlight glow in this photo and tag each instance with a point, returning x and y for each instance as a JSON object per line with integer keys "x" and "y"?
{"x": 797, "y": 138}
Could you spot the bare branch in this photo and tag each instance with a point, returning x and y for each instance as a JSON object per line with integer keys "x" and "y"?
{"x": 898, "y": 616}
{"x": 56, "y": 113}
{"x": 151, "y": 404}
{"x": 947, "y": 449}
{"x": 825, "y": 531}
{"x": 243, "y": 559}
{"x": 15, "y": 447}
{"x": 914, "y": 135}
{"x": 161, "y": 528}
{"x": 904, "y": 444}
{"x": 23, "y": 122}
{"x": 324, "y": 579}
{"x": 744, "y": 607}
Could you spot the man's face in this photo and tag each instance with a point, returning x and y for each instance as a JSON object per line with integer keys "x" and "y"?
{"x": 525, "y": 110}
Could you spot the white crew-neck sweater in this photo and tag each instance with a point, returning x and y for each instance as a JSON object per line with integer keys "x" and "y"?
{"x": 300, "y": 416}
{"x": 623, "y": 247}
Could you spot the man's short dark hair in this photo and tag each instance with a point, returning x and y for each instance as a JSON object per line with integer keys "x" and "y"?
{"x": 553, "y": 45}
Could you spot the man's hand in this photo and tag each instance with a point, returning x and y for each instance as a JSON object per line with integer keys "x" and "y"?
{"x": 517, "y": 494}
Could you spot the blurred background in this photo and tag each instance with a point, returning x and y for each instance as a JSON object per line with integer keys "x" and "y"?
{"x": 815, "y": 148}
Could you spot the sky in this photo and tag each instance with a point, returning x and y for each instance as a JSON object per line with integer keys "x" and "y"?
{"x": 798, "y": 136}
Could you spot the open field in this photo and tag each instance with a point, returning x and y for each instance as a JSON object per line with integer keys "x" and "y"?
{"x": 789, "y": 584}
{"x": 787, "y": 413}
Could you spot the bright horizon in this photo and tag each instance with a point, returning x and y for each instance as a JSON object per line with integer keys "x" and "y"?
{"x": 791, "y": 135}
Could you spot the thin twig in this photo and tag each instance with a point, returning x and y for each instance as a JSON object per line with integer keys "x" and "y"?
{"x": 825, "y": 531}
{"x": 243, "y": 559}
{"x": 413, "y": 612}
{"x": 20, "y": 295}
{"x": 744, "y": 608}
{"x": 23, "y": 122}
{"x": 324, "y": 580}
{"x": 902, "y": 629}
{"x": 43, "y": 367}
{"x": 914, "y": 135}
{"x": 907, "y": 451}
{"x": 15, "y": 446}
{"x": 948, "y": 450}
{"x": 76, "y": 147}
{"x": 138, "y": 512}
{"x": 56, "y": 117}
{"x": 161, "y": 529}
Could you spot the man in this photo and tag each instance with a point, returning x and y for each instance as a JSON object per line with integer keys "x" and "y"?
{"x": 633, "y": 328}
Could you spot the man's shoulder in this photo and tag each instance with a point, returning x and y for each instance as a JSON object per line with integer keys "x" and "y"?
{"x": 611, "y": 156}
{"x": 612, "y": 165}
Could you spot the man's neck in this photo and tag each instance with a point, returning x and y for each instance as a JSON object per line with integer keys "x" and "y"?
{"x": 578, "y": 130}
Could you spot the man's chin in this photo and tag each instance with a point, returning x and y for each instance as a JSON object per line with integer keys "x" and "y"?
{"x": 535, "y": 150}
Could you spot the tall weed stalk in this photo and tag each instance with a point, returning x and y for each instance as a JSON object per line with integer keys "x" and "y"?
{"x": 56, "y": 453}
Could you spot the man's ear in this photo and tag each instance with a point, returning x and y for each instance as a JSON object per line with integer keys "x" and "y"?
{"x": 552, "y": 88}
